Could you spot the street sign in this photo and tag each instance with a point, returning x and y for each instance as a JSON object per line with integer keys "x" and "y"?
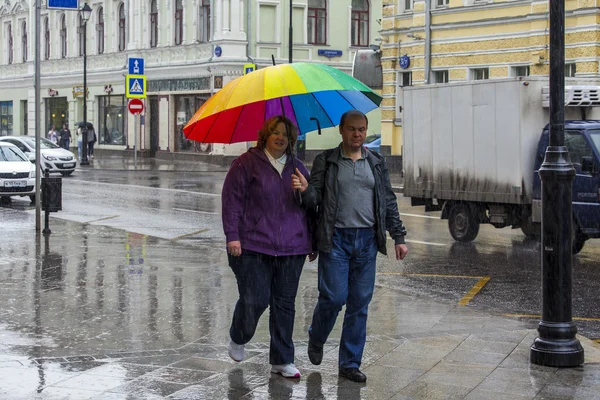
{"x": 249, "y": 68}
{"x": 329, "y": 53}
{"x": 218, "y": 51}
{"x": 64, "y": 4}
{"x": 136, "y": 66}
{"x": 136, "y": 86}
{"x": 135, "y": 106}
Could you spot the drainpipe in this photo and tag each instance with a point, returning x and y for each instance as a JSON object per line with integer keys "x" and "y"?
{"x": 248, "y": 28}
{"x": 427, "y": 42}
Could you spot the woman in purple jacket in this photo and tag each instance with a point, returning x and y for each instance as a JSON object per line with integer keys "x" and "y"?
{"x": 267, "y": 241}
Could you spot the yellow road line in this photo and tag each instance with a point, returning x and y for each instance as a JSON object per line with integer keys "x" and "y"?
{"x": 539, "y": 317}
{"x": 191, "y": 234}
{"x": 470, "y": 294}
{"x": 103, "y": 219}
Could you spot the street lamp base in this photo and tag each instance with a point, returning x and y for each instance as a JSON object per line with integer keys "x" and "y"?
{"x": 554, "y": 351}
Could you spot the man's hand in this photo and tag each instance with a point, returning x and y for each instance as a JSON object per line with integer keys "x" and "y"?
{"x": 401, "y": 251}
{"x": 235, "y": 248}
{"x": 313, "y": 256}
{"x": 299, "y": 182}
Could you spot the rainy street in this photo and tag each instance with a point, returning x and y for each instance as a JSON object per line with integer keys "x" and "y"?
{"x": 131, "y": 297}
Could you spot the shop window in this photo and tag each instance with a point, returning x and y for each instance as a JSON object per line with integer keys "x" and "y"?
{"x": 111, "y": 120}
{"x": 153, "y": 24}
{"x": 46, "y": 39}
{"x": 317, "y": 21}
{"x": 178, "y": 22}
{"x": 100, "y": 31}
{"x": 360, "y": 23}
{"x": 24, "y": 116}
{"x": 186, "y": 106}
{"x": 204, "y": 22}
{"x": 122, "y": 27}
{"x": 6, "y": 118}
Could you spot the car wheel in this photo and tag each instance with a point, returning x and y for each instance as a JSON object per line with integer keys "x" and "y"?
{"x": 66, "y": 173}
{"x": 4, "y": 200}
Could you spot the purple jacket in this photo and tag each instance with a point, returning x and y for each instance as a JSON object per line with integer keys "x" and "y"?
{"x": 259, "y": 208}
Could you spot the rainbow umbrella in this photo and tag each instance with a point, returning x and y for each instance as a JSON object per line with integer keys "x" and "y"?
{"x": 307, "y": 92}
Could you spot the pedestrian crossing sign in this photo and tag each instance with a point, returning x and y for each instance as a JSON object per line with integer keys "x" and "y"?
{"x": 136, "y": 86}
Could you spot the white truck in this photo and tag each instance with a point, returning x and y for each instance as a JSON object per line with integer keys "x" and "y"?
{"x": 473, "y": 149}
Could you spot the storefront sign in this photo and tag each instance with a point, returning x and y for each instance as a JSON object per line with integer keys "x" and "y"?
{"x": 52, "y": 92}
{"x": 179, "y": 85}
{"x": 78, "y": 91}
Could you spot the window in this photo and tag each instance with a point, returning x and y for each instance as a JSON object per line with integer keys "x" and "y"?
{"x": 204, "y": 22}
{"x": 10, "y": 43}
{"x": 442, "y": 3}
{"x": 24, "y": 41}
{"x": 6, "y": 118}
{"x": 153, "y": 24}
{"x": 24, "y": 116}
{"x": 81, "y": 32}
{"x": 360, "y": 23}
{"x": 268, "y": 18}
{"x": 317, "y": 21}
{"x": 63, "y": 37}
{"x": 440, "y": 76}
{"x": 570, "y": 70}
{"x": 478, "y": 74}
{"x": 578, "y": 146}
{"x": 408, "y": 4}
{"x": 111, "y": 120}
{"x": 521, "y": 70}
{"x": 100, "y": 31}
{"x": 46, "y": 39}
{"x": 405, "y": 79}
{"x": 178, "y": 22}
{"x": 122, "y": 27}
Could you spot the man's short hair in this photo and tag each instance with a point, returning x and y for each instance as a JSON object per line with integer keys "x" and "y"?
{"x": 352, "y": 113}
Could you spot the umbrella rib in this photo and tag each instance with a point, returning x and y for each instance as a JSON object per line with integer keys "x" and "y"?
{"x": 236, "y": 124}
{"x": 211, "y": 126}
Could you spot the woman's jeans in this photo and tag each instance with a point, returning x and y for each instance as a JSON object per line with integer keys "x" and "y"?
{"x": 79, "y": 150}
{"x": 263, "y": 281}
{"x": 90, "y": 149}
{"x": 346, "y": 276}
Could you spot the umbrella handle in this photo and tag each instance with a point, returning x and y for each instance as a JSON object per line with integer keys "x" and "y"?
{"x": 318, "y": 123}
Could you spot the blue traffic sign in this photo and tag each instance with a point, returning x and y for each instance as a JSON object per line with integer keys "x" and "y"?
{"x": 136, "y": 66}
{"x": 65, "y": 4}
{"x": 218, "y": 51}
{"x": 136, "y": 86}
{"x": 404, "y": 61}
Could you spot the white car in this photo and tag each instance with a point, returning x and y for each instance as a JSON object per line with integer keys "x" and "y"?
{"x": 54, "y": 157}
{"x": 17, "y": 173}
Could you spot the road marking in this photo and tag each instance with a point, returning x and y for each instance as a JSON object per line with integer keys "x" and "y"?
{"x": 102, "y": 219}
{"x": 426, "y": 243}
{"x": 147, "y": 187}
{"x": 467, "y": 298}
{"x": 195, "y": 211}
{"x": 539, "y": 317}
{"x": 191, "y": 234}
{"x": 418, "y": 216}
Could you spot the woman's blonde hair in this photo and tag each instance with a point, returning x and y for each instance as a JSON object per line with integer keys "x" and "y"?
{"x": 270, "y": 125}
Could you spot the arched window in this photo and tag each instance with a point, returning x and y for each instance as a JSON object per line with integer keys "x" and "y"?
{"x": 100, "y": 31}
{"x": 63, "y": 36}
{"x": 46, "y": 39}
{"x": 10, "y": 43}
{"x": 317, "y": 21}
{"x": 178, "y": 22}
{"x": 24, "y": 40}
{"x": 81, "y": 33}
{"x": 153, "y": 24}
{"x": 122, "y": 27}
{"x": 204, "y": 22}
{"x": 360, "y": 23}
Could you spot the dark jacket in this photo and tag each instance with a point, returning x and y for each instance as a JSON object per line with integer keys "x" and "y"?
{"x": 259, "y": 208}
{"x": 322, "y": 191}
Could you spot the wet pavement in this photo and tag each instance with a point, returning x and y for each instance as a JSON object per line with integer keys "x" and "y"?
{"x": 101, "y": 312}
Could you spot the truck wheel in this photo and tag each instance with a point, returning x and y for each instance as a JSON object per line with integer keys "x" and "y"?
{"x": 532, "y": 230}
{"x": 578, "y": 239}
{"x": 463, "y": 223}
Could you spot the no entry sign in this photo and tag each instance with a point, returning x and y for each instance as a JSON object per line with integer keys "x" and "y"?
{"x": 135, "y": 106}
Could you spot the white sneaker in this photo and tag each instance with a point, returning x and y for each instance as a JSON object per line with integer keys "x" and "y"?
{"x": 286, "y": 370}
{"x": 236, "y": 351}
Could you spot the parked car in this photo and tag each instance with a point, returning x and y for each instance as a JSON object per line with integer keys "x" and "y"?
{"x": 17, "y": 173}
{"x": 373, "y": 142}
{"x": 54, "y": 157}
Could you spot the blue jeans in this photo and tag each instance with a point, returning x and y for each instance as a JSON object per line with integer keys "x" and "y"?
{"x": 266, "y": 281}
{"x": 346, "y": 276}
{"x": 67, "y": 143}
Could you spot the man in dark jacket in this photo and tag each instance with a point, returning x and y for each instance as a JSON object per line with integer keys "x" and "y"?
{"x": 351, "y": 187}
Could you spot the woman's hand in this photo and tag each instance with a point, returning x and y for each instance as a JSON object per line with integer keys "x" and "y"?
{"x": 299, "y": 182}
{"x": 234, "y": 248}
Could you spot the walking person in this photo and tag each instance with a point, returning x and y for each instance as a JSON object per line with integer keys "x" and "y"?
{"x": 65, "y": 137}
{"x": 91, "y": 136}
{"x": 351, "y": 186}
{"x": 79, "y": 142}
{"x": 52, "y": 134}
{"x": 267, "y": 242}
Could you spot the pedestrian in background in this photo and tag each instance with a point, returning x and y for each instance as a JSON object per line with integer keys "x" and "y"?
{"x": 52, "y": 134}
{"x": 79, "y": 142}
{"x": 91, "y": 136}
{"x": 65, "y": 137}
{"x": 351, "y": 187}
{"x": 267, "y": 242}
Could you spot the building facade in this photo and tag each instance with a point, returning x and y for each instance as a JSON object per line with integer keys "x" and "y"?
{"x": 191, "y": 48}
{"x": 456, "y": 40}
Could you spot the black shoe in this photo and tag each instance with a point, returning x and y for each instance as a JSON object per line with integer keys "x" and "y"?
{"x": 315, "y": 352}
{"x": 353, "y": 374}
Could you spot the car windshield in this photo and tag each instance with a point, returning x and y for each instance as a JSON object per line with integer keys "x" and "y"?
{"x": 372, "y": 138}
{"x": 595, "y": 135}
{"x": 9, "y": 153}
{"x": 44, "y": 143}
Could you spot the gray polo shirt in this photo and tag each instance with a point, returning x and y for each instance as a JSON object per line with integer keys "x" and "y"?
{"x": 356, "y": 202}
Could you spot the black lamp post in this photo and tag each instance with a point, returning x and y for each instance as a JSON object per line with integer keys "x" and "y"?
{"x": 556, "y": 345}
{"x": 85, "y": 13}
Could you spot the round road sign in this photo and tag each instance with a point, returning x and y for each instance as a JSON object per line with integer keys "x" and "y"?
{"x": 135, "y": 106}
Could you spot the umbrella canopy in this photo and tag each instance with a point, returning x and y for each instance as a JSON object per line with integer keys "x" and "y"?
{"x": 306, "y": 91}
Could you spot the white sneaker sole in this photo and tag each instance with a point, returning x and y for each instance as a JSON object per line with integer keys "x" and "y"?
{"x": 295, "y": 376}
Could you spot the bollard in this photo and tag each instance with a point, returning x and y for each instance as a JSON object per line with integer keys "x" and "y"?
{"x": 51, "y": 198}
